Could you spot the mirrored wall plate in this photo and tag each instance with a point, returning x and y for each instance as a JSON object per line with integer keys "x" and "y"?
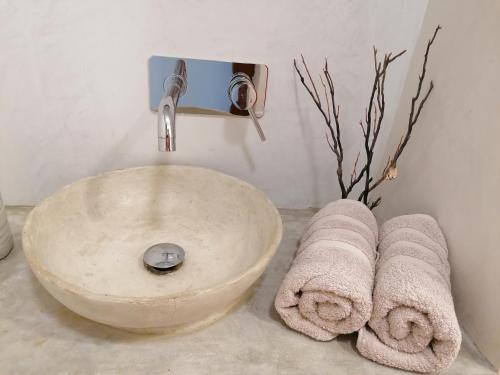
{"x": 207, "y": 84}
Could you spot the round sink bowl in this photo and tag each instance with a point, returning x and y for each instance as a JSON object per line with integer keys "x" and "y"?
{"x": 85, "y": 244}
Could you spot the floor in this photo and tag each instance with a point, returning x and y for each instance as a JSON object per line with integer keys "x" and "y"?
{"x": 40, "y": 336}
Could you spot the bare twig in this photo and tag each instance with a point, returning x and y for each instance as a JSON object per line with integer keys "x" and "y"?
{"x": 370, "y": 125}
{"x": 374, "y": 115}
{"x": 336, "y": 145}
{"x": 362, "y": 128}
{"x": 326, "y": 98}
{"x": 310, "y": 79}
{"x": 374, "y": 204}
{"x": 391, "y": 169}
{"x": 353, "y": 174}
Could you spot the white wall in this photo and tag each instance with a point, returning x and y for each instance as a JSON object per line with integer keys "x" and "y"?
{"x": 74, "y": 91}
{"x": 451, "y": 168}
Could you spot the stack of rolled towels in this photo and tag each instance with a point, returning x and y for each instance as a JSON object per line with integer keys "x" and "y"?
{"x": 398, "y": 299}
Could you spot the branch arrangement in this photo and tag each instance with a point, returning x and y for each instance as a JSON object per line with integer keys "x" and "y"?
{"x": 370, "y": 125}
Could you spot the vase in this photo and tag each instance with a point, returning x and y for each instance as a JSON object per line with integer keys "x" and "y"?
{"x": 6, "y": 242}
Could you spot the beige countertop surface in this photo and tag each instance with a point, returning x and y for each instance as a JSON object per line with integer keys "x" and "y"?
{"x": 38, "y": 335}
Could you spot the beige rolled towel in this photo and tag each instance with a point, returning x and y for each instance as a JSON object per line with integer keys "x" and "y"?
{"x": 413, "y": 325}
{"x": 328, "y": 289}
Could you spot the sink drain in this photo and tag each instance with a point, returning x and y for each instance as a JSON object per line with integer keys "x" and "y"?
{"x": 163, "y": 258}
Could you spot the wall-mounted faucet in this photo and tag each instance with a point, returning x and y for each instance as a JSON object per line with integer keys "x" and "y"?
{"x": 175, "y": 86}
{"x": 203, "y": 86}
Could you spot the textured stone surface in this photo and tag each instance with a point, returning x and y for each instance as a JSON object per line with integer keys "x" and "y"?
{"x": 86, "y": 242}
{"x": 40, "y": 336}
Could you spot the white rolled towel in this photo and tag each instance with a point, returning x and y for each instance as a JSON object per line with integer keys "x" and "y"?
{"x": 328, "y": 289}
{"x": 413, "y": 325}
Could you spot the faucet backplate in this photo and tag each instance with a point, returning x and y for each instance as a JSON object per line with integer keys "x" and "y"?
{"x": 207, "y": 83}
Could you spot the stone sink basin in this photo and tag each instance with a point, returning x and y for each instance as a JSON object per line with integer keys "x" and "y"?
{"x": 85, "y": 244}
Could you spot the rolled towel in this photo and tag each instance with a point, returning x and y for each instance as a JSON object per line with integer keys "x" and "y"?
{"x": 328, "y": 289}
{"x": 413, "y": 325}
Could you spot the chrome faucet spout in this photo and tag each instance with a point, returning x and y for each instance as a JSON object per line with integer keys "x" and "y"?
{"x": 175, "y": 87}
{"x": 166, "y": 124}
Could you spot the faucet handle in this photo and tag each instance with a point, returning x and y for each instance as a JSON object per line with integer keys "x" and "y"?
{"x": 243, "y": 95}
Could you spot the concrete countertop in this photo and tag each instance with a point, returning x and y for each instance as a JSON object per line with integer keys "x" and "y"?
{"x": 38, "y": 335}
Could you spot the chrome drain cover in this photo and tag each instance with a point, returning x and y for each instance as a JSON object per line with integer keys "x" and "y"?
{"x": 163, "y": 258}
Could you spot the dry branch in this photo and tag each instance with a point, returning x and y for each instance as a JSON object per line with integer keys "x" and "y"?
{"x": 390, "y": 170}
{"x": 373, "y": 119}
